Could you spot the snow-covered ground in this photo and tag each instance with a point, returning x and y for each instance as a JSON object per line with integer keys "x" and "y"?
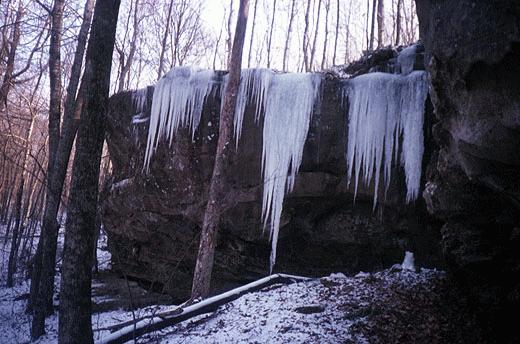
{"x": 391, "y": 306}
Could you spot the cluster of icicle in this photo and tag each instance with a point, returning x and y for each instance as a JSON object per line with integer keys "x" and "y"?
{"x": 177, "y": 102}
{"x": 384, "y": 109}
{"x": 285, "y": 100}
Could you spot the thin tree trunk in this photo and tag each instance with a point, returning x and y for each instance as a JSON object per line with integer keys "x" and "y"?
{"x": 325, "y": 41}
{"x": 13, "y": 252}
{"x": 126, "y": 67}
{"x": 380, "y": 23}
{"x": 372, "y": 29}
{"x": 204, "y": 265}
{"x": 288, "y": 37}
{"x": 316, "y": 30}
{"x": 75, "y": 296}
{"x": 398, "y": 23}
{"x": 229, "y": 39}
{"x": 165, "y": 40}
{"x": 252, "y": 35}
{"x": 306, "y": 37}
{"x": 42, "y": 278}
{"x": 7, "y": 81}
{"x": 336, "y": 34}
{"x": 269, "y": 42}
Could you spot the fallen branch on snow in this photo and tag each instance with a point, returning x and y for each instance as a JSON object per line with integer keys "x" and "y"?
{"x": 166, "y": 319}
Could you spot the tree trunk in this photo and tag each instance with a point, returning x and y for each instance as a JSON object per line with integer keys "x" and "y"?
{"x": 252, "y": 36}
{"x": 126, "y": 67}
{"x": 165, "y": 40}
{"x": 269, "y": 42}
{"x": 13, "y": 252}
{"x": 288, "y": 37}
{"x": 325, "y": 41}
{"x": 372, "y": 27}
{"x": 315, "y": 40}
{"x": 380, "y": 23}
{"x": 42, "y": 277}
{"x": 229, "y": 39}
{"x": 336, "y": 35}
{"x": 398, "y": 23}
{"x": 7, "y": 81}
{"x": 306, "y": 37}
{"x": 75, "y": 324}
{"x": 204, "y": 265}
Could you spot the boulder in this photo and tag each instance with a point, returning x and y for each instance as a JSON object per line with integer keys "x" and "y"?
{"x": 153, "y": 218}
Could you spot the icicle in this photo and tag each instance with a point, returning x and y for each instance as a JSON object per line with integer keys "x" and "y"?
{"x": 253, "y": 89}
{"x": 139, "y": 99}
{"x": 288, "y": 108}
{"x": 382, "y": 108}
{"x": 177, "y": 102}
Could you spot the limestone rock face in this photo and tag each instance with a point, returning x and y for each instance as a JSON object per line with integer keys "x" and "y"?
{"x": 153, "y": 219}
{"x": 472, "y": 52}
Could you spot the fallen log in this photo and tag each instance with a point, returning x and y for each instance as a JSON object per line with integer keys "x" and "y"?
{"x": 166, "y": 319}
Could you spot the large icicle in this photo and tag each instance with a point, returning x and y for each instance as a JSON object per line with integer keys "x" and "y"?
{"x": 254, "y": 83}
{"x": 288, "y": 109}
{"x": 177, "y": 102}
{"x": 383, "y": 108}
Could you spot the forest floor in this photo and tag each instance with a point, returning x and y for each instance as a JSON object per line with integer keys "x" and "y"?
{"x": 390, "y": 306}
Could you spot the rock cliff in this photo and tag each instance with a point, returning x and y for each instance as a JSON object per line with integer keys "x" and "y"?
{"x": 472, "y": 51}
{"x": 153, "y": 219}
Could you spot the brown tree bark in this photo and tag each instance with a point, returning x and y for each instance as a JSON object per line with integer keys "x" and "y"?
{"x": 7, "y": 81}
{"x": 127, "y": 66}
{"x": 42, "y": 277}
{"x": 306, "y": 37}
{"x": 75, "y": 324}
{"x": 398, "y": 23}
{"x": 380, "y": 23}
{"x": 336, "y": 36}
{"x": 164, "y": 42}
{"x": 204, "y": 265}
{"x": 229, "y": 39}
{"x": 372, "y": 27}
{"x": 325, "y": 41}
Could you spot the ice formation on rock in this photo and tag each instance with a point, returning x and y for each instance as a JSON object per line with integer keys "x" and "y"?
{"x": 177, "y": 102}
{"x": 139, "y": 99}
{"x": 254, "y": 83}
{"x": 406, "y": 59}
{"x": 385, "y": 108}
{"x": 408, "y": 261}
{"x": 287, "y": 101}
{"x": 288, "y": 108}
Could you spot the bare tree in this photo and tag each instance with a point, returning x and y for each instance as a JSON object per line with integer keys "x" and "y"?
{"x": 269, "y": 42}
{"x": 252, "y": 35}
{"x": 306, "y": 37}
{"x": 372, "y": 26}
{"x": 288, "y": 36}
{"x": 316, "y": 30}
{"x": 398, "y": 23}
{"x": 380, "y": 23}
{"x": 325, "y": 41}
{"x": 204, "y": 265}
{"x": 229, "y": 33}
{"x": 125, "y": 63}
{"x": 42, "y": 279}
{"x": 336, "y": 34}
{"x": 76, "y": 279}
